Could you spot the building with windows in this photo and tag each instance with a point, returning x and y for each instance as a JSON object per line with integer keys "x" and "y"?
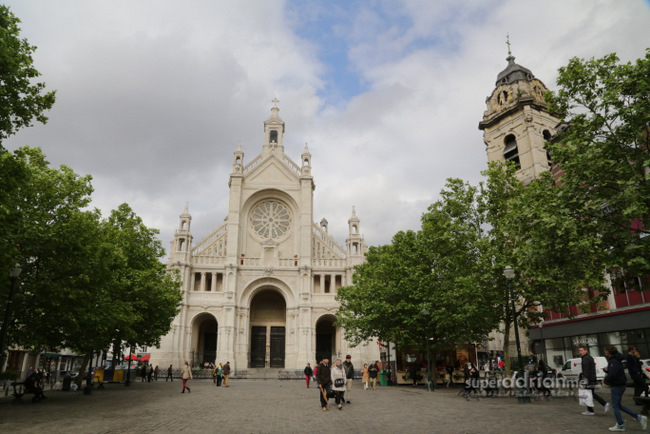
{"x": 259, "y": 291}
{"x": 516, "y": 126}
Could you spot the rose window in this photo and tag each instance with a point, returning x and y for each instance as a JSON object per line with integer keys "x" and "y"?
{"x": 270, "y": 219}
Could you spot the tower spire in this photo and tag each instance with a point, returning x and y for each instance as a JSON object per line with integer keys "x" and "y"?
{"x": 510, "y": 57}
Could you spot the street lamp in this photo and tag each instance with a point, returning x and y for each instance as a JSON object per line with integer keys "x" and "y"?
{"x": 425, "y": 312}
{"x": 13, "y": 274}
{"x": 509, "y": 273}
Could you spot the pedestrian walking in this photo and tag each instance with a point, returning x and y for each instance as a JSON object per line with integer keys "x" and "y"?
{"x": 616, "y": 378}
{"x": 308, "y": 373}
{"x": 338, "y": 378}
{"x": 413, "y": 372}
{"x": 169, "y": 374}
{"x": 372, "y": 372}
{"x": 589, "y": 376}
{"x": 324, "y": 379}
{"x": 214, "y": 375}
{"x": 633, "y": 364}
{"x": 226, "y": 374}
{"x": 156, "y": 371}
{"x": 348, "y": 367}
{"x": 364, "y": 376}
{"x": 186, "y": 374}
{"x": 219, "y": 374}
{"x": 450, "y": 374}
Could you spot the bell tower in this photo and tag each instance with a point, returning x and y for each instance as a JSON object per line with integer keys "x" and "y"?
{"x": 355, "y": 243}
{"x": 517, "y": 123}
{"x": 274, "y": 128}
{"x": 181, "y": 246}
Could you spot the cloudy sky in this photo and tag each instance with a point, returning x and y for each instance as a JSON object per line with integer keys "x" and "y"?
{"x": 153, "y": 96}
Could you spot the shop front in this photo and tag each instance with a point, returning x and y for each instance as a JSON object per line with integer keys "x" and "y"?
{"x": 556, "y": 342}
{"x": 414, "y": 362}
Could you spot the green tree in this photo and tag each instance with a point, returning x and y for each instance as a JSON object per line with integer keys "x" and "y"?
{"x": 21, "y": 100}
{"x": 36, "y": 199}
{"x": 153, "y": 294}
{"x": 86, "y": 282}
{"x": 453, "y": 267}
{"x": 604, "y": 153}
{"x": 424, "y": 283}
{"x": 555, "y": 256}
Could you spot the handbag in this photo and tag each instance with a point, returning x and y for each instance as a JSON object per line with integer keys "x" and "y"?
{"x": 339, "y": 382}
{"x": 586, "y": 397}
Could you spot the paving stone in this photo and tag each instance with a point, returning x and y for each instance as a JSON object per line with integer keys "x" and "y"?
{"x": 275, "y": 406}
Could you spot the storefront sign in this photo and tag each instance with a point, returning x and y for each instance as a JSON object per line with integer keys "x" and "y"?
{"x": 582, "y": 340}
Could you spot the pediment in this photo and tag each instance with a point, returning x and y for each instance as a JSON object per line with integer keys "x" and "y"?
{"x": 272, "y": 172}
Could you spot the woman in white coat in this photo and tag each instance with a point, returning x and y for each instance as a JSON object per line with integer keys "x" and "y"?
{"x": 186, "y": 374}
{"x": 338, "y": 383}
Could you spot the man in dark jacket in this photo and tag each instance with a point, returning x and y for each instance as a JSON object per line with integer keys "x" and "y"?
{"x": 308, "y": 374}
{"x": 348, "y": 367}
{"x": 633, "y": 365}
{"x": 372, "y": 372}
{"x": 616, "y": 378}
{"x": 324, "y": 379}
{"x": 589, "y": 375}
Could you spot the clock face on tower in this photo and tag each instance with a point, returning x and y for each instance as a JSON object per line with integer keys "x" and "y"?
{"x": 270, "y": 219}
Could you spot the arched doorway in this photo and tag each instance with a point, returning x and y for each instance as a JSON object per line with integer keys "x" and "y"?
{"x": 204, "y": 339}
{"x": 325, "y": 337}
{"x": 268, "y": 315}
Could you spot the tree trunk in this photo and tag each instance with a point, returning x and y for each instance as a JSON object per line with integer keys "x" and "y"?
{"x": 115, "y": 354}
{"x": 82, "y": 372}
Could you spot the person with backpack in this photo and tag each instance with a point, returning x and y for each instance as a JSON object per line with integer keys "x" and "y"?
{"x": 616, "y": 379}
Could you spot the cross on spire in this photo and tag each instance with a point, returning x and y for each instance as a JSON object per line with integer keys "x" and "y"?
{"x": 508, "y": 43}
{"x": 275, "y": 102}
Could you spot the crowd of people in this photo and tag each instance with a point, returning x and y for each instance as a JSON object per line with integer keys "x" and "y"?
{"x": 336, "y": 381}
{"x": 148, "y": 373}
{"x": 616, "y": 380}
{"x": 220, "y": 374}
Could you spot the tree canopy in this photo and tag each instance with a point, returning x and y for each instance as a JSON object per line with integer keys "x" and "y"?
{"x": 452, "y": 268}
{"x": 424, "y": 283}
{"x": 560, "y": 235}
{"x": 86, "y": 282}
{"x": 21, "y": 100}
{"x": 604, "y": 153}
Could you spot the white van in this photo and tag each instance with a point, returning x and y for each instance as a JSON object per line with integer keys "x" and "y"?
{"x": 573, "y": 367}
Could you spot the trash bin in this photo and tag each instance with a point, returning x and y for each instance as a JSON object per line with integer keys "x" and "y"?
{"x": 67, "y": 380}
{"x": 383, "y": 378}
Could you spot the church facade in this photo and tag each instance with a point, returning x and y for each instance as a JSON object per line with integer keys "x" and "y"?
{"x": 259, "y": 291}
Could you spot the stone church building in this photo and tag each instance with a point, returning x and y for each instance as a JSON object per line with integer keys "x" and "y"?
{"x": 259, "y": 291}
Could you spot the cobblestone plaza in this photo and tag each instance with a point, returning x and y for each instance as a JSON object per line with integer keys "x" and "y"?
{"x": 273, "y": 406}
